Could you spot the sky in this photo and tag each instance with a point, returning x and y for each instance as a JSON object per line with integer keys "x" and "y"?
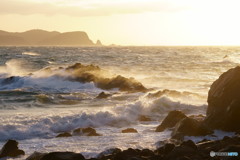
{"x": 130, "y": 22}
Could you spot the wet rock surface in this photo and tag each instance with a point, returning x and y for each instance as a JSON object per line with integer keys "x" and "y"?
{"x": 190, "y": 127}
{"x": 10, "y": 149}
{"x": 103, "y": 95}
{"x": 187, "y": 150}
{"x": 92, "y": 73}
{"x": 171, "y": 120}
{"x": 65, "y": 134}
{"x": 223, "y": 110}
{"x": 86, "y": 132}
{"x": 129, "y": 130}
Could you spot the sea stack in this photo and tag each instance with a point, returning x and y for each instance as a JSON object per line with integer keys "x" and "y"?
{"x": 223, "y": 110}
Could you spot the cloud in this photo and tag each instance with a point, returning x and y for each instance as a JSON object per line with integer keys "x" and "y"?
{"x": 82, "y": 8}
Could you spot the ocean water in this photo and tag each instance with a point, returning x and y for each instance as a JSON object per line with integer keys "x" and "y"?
{"x": 39, "y": 99}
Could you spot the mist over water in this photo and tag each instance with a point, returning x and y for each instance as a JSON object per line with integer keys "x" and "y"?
{"x": 39, "y": 98}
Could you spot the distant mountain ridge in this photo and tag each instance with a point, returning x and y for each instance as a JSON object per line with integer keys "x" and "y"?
{"x": 45, "y": 38}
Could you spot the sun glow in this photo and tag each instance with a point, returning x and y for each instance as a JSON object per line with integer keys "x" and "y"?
{"x": 135, "y": 22}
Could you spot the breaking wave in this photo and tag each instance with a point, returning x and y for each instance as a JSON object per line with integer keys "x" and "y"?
{"x": 48, "y": 125}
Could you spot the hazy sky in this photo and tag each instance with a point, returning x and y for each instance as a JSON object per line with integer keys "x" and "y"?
{"x": 130, "y": 22}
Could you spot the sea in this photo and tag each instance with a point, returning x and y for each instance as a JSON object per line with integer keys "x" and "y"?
{"x": 37, "y": 104}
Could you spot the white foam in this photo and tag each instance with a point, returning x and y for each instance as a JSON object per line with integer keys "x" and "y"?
{"x": 48, "y": 124}
{"x": 31, "y": 53}
{"x": 217, "y": 135}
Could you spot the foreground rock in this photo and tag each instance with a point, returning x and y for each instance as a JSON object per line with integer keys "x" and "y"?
{"x": 10, "y": 149}
{"x": 65, "y": 134}
{"x": 186, "y": 150}
{"x": 56, "y": 156}
{"x": 224, "y": 102}
{"x": 86, "y": 132}
{"x": 190, "y": 127}
{"x": 171, "y": 120}
{"x": 129, "y": 130}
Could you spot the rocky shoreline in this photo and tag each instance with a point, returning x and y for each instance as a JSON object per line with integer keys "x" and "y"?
{"x": 223, "y": 113}
{"x": 186, "y": 150}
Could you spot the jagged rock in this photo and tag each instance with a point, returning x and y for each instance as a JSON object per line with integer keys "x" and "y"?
{"x": 10, "y": 149}
{"x": 108, "y": 154}
{"x": 85, "y": 132}
{"x": 99, "y": 43}
{"x": 171, "y": 120}
{"x": 189, "y": 143}
{"x": 62, "y": 156}
{"x": 144, "y": 118}
{"x": 36, "y": 156}
{"x": 190, "y": 127}
{"x": 129, "y": 130}
{"x": 65, "y": 134}
{"x": 103, "y": 95}
{"x": 89, "y": 73}
{"x": 126, "y": 154}
{"x": 223, "y": 110}
{"x": 167, "y": 148}
{"x": 146, "y": 153}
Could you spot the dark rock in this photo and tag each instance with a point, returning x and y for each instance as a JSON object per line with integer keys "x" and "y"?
{"x": 182, "y": 151}
{"x": 231, "y": 148}
{"x": 65, "y": 134}
{"x": 184, "y": 158}
{"x": 63, "y": 156}
{"x": 171, "y": 120}
{"x": 198, "y": 117}
{"x": 164, "y": 92}
{"x": 204, "y": 140}
{"x": 144, "y": 118}
{"x": 124, "y": 84}
{"x": 36, "y": 156}
{"x": 86, "y": 132}
{"x": 167, "y": 148}
{"x": 107, "y": 154}
{"x": 223, "y": 110}
{"x": 156, "y": 157}
{"x": 129, "y": 130}
{"x": 10, "y": 80}
{"x": 146, "y": 153}
{"x": 190, "y": 144}
{"x": 10, "y": 149}
{"x": 190, "y": 127}
{"x": 89, "y": 73}
{"x": 103, "y": 95}
{"x": 126, "y": 154}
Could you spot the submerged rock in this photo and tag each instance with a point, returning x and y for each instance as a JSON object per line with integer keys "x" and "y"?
{"x": 10, "y": 149}
{"x": 190, "y": 127}
{"x": 103, "y": 95}
{"x": 86, "y": 132}
{"x": 129, "y": 130}
{"x": 108, "y": 154}
{"x": 144, "y": 118}
{"x": 164, "y": 150}
{"x": 223, "y": 110}
{"x": 62, "y": 156}
{"x": 36, "y": 156}
{"x": 65, "y": 134}
{"x": 10, "y": 80}
{"x": 171, "y": 120}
